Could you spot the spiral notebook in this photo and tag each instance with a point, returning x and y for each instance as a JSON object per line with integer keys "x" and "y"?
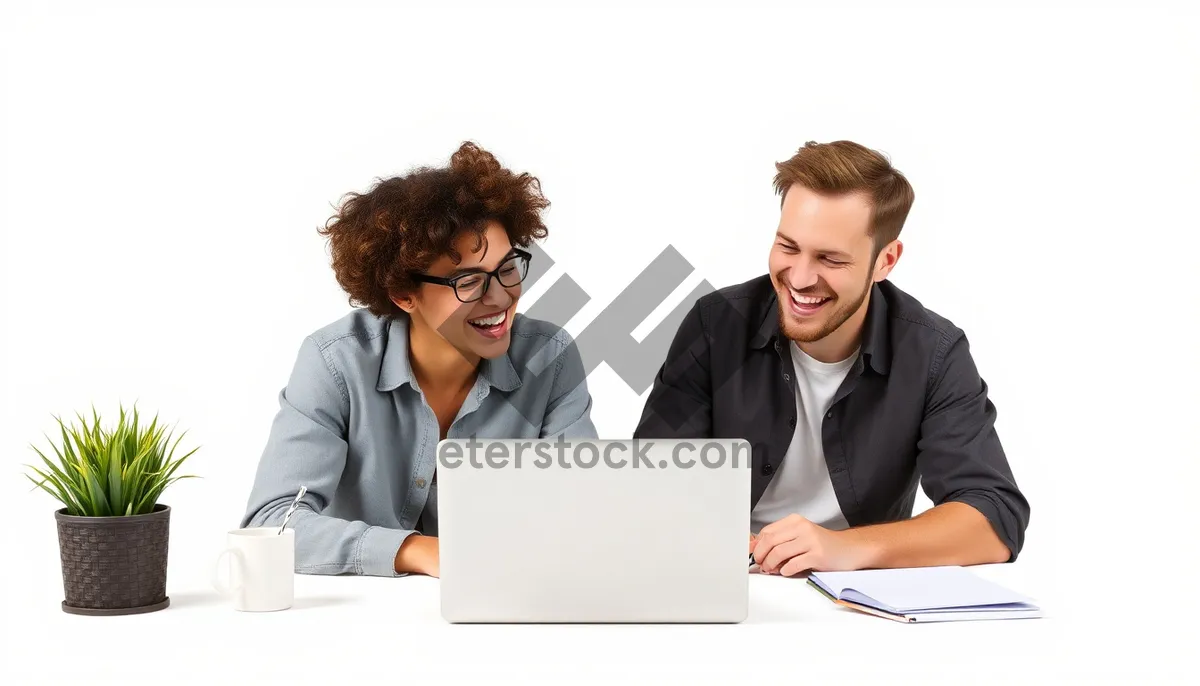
{"x": 923, "y": 594}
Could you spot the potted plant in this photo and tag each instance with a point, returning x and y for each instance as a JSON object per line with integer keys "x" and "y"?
{"x": 112, "y": 531}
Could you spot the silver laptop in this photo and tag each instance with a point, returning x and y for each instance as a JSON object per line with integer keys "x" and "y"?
{"x": 594, "y": 531}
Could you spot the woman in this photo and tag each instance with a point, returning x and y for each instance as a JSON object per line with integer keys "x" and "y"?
{"x": 435, "y": 258}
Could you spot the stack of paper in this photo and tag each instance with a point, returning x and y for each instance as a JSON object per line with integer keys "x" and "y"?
{"x": 923, "y": 594}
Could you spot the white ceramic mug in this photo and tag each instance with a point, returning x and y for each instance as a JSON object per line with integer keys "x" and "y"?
{"x": 261, "y": 570}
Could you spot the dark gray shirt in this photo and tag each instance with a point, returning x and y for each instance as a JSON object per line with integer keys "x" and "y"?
{"x": 913, "y": 408}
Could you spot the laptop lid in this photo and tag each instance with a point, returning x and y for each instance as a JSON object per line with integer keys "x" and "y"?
{"x": 593, "y": 531}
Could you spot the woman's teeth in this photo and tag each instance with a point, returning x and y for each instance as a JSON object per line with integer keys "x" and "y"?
{"x": 489, "y": 321}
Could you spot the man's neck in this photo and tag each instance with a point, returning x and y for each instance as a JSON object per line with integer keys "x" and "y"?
{"x": 842, "y": 343}
{"x": 437, "y": 365}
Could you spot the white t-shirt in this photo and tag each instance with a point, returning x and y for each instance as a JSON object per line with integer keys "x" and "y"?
{"x": 801, "y": 485}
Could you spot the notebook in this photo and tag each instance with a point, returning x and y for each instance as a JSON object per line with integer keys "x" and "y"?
{"x": 923, "y": 594}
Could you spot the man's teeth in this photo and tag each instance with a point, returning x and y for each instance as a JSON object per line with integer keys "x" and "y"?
{"x": 489, "y": 321}
{"x": 807, "y": 299}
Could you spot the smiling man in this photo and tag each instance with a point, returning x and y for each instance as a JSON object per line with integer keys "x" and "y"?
{"x": 850, "y": 391}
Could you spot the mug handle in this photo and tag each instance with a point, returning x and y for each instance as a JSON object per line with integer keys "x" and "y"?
{"x": 224, "y": 588}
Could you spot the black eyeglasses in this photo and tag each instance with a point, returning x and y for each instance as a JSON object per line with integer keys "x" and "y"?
{"x": 472, "y": 286}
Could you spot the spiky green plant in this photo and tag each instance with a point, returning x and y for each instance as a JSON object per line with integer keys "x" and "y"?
{"x": 114, "y": 472}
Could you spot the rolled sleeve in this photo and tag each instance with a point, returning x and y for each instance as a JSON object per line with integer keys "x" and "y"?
{"x": 1004, "y": 522}
{"x": 377, "y": 550}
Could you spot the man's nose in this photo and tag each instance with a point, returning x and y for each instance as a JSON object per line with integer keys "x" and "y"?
{"x": 801, "y": 275}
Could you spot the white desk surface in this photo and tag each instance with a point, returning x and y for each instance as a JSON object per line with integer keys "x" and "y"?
{"x": 348, "y": 630}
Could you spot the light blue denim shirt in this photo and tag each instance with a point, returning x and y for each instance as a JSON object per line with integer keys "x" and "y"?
{"x": 353, "y": 427}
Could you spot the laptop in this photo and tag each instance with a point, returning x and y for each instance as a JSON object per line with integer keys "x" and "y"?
{"x": 596, "y": 531}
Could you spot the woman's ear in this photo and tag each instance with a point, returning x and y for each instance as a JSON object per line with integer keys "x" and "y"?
{"x": 406, "y": 302}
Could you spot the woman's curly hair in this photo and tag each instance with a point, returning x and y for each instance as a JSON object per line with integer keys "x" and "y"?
{"x": 403, "y": 224}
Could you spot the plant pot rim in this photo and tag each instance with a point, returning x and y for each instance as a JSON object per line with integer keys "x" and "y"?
{"x": 160, "y": 510}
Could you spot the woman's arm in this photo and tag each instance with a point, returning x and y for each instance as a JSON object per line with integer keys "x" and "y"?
{"x": 307, "y": 446}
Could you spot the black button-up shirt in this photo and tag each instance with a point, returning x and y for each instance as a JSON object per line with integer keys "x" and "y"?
{"x": 913, "y": 408}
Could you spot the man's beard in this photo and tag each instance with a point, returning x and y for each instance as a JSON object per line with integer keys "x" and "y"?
{"x": 832, "y": 322}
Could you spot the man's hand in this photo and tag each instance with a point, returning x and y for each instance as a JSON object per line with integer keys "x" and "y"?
{"x": 794, "y": 545}
{"x": 418, "y": 555}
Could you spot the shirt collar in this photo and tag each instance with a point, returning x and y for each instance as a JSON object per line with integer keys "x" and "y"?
{"x": 395, "y": 370}
{"x": 875, "y": 347}
{"x": 876, "y": 343}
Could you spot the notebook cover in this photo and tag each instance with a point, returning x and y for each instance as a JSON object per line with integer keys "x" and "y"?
{"x": 862, "y": 608}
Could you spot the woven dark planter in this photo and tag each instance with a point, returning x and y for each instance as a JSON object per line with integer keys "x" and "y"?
{"x": 114, "y": 565}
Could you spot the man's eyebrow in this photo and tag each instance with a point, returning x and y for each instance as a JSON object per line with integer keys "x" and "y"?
{"x": 828, "y": 253}
{"x": 835, "y": 253}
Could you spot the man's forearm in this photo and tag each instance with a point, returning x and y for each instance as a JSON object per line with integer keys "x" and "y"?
{"x": 949, "y": 534}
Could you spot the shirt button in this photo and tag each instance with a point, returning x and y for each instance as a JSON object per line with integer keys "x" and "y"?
{"x": 829, "y": 414}
{"x": 792, "y": 422}
{"x": 787, "y": 377}
{"x": 420, "y": 483}
{"x": 768, "y": 469}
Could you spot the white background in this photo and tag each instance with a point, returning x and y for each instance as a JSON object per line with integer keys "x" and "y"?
{"x": 166, "y": 167}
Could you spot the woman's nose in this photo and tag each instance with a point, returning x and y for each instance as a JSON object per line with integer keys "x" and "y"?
{"x": 497, "y": 294}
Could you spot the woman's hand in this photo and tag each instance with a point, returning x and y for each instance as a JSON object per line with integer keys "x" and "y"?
{"x": 418, "y": 555}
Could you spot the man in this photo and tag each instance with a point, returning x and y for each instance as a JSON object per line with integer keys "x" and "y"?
{"x": 848, "y": 389}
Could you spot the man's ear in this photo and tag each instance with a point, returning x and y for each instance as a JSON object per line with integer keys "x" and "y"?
{"x": 887, "y": 259}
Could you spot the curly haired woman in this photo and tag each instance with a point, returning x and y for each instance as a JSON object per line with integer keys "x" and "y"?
{"x": 435, "y": 259}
